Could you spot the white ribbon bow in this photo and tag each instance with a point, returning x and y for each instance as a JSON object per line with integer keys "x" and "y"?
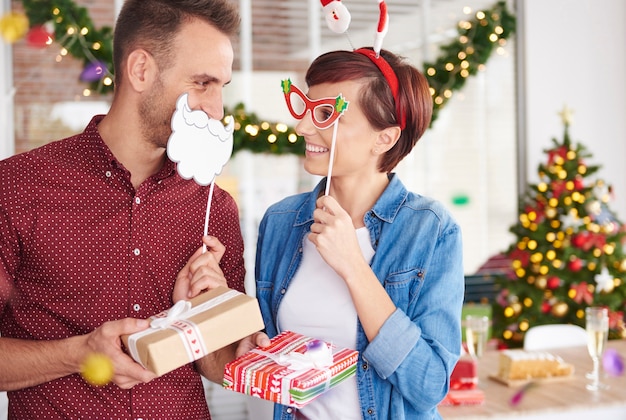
{"x": 179, "y": 311}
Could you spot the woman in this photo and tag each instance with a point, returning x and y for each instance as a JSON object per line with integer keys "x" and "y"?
{"x": 360, "y": 261}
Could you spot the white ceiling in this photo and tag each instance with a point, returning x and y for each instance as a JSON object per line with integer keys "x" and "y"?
{"x": 281, "y": 34}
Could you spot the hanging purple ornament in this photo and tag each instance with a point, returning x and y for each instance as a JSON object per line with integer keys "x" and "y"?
{"x": 93, "y": 71}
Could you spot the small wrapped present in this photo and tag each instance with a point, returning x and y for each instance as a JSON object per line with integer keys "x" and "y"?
{"x": 464, "y": 397}
{"x": 463, "y": 384}
{"x": 293, "y": 370}
{"x": 193, "y": 329}
{"x": 465, "y": 374}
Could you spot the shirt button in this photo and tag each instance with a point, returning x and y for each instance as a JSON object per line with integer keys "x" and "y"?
{"x": 365, "y": 366}
{"x": 108, "y": 174}
{"x": 136, "y": 307}
{"x": 137, "y": 200}
{"x": 370, "y": 411}
{"x": 136, "y": 251}
{"x": 283, "y": 291}
{"x": 290, "y": 410}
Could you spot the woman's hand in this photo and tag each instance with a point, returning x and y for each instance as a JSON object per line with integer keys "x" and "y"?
{"x": 334, "y": 236}
{"x": 201, "y": 272}
{"x": 250, "y": 342}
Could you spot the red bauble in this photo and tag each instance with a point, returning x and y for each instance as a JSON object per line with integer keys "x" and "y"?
{"x": 545, "y": 307}
{"x": 579, "y": 183}
{"x": 579, "y": 240}
{"x": 38, "y": 37}
{"x": 553, "y": 282}
{"x": 575, "y": 264}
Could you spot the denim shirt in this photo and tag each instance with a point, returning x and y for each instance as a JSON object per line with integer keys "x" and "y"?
{"x": 405, "y": 371}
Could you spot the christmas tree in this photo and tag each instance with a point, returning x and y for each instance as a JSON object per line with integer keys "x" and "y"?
{"x": 569, "y": 251}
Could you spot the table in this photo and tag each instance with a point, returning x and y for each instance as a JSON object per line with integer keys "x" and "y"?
{"x": 566, "y": 399}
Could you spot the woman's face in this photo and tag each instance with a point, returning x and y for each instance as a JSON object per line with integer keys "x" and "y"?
{"x": 356, "y": 139}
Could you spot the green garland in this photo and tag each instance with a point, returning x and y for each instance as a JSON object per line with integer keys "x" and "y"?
{"x": 468, "y": 54}
{"x": 75, "y": 32}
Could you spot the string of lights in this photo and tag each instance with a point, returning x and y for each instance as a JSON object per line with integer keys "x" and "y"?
{"x": 68, "y": 25}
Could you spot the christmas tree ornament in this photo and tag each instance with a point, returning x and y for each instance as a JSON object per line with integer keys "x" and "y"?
{"x": 559, "y": 310}
{"x": 581, "y": 292}
{"x": 553, "y": 282}
{"x": 13, "y": 26}
{"x": 39, "y": 37}
{"x": 575, "y": 264}
{"x": 551, "y": 213}
{"x": 604, "y": 280}
{"x": 541, "y": 282}
{"x": 93, "y": 71}
{"x": 97, "y": 369}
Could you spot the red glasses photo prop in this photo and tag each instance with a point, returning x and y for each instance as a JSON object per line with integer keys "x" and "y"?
{"x": 324, "y": 111}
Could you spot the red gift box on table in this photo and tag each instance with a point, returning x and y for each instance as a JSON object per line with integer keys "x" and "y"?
{"x": 293, "y": 370}
{"x": 465, "y": 374}
{"x": 463, "y": 382}
{"x": 464, "y": 397}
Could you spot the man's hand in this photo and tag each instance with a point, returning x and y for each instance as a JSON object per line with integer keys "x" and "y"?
{"x": 201, "y": 272}
{"x": 106, "y": 340}
{"x": 26, "y": 363}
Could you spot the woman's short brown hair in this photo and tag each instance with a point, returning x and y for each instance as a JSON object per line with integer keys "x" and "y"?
{"x": 376, "y": 99}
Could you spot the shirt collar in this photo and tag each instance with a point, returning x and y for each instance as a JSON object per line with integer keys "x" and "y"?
{"x": 386, "y": 207}
{"x": 105, "y": 158}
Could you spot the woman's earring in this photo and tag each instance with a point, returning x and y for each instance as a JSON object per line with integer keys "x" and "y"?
{"x": 375, "y": 150}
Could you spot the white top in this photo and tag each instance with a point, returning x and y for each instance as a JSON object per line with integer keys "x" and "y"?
{"x": 318, "y": 304}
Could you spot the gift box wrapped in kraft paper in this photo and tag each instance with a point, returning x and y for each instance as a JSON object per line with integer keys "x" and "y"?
{"x": 194, "y": 328}
{"x": 293, "y": 370}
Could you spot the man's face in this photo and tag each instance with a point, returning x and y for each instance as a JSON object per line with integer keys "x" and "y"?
{"x": 201, "y": 66}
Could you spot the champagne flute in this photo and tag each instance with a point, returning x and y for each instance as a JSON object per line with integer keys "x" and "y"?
{"x": 597, "y": 326}
{"x": 476, "y": 328}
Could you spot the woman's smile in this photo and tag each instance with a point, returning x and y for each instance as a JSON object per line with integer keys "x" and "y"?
{"x": 313, "y": 148}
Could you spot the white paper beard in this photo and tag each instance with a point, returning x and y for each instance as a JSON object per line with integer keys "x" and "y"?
{"x": 200, "y": 145}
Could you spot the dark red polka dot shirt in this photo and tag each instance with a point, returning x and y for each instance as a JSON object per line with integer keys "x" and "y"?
{"x": 80, "y": 246}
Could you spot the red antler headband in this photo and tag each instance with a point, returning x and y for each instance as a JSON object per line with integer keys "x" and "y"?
{"x": 338, "y": 19}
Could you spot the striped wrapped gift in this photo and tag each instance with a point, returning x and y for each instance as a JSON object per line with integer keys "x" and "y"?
{"x": 290, "y": 371}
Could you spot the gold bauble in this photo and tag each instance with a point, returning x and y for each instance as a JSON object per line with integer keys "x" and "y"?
{"x": 550, "y": 213}
{"x": 13, "y": 26}
{"x": 541, "y": 282}
{"x": 559, "y": 309}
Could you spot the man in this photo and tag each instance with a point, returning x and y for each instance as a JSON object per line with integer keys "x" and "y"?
{"x": 96, "y": 228}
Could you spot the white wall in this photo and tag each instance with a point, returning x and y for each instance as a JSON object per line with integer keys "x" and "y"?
{"x": 7, "y": 139}
{"x": 575, "y": 55}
